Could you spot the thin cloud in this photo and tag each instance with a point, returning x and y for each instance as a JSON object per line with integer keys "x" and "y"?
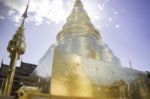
{"x": 102, "y": 6}
{"x": 50, "y": 10}
{"x": 117, "y": 26}
{"x": 2, "y": 17}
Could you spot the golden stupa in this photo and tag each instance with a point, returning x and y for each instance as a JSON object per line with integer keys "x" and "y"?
{"x": 83, "y": 67}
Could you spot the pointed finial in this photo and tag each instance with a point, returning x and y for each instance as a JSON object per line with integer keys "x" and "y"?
{"x": 78, "y": 23}
{"x": 78, "y": 3}
{"x": 26, "y": 10}
{"x": 25, "y": 14}
{"x": 2, "y": 62}
{"x": 130, "y": 64}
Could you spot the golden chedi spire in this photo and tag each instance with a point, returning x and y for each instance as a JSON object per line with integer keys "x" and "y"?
{"x": 78, "y": 23}
{"x": 16, "y": 47}
{"x": 77, "y": 41}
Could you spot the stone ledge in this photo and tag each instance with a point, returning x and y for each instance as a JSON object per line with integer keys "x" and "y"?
{"x": 7, "y": 97}
{"x": 46, "y": 96}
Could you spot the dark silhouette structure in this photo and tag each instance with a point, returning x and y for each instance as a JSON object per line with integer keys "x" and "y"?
{"x": 21, "y": 75}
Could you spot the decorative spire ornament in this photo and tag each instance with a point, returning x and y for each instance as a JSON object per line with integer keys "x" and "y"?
{"x": 16, "y": 47}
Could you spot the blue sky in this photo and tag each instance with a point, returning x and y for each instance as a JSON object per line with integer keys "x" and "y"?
{"x": 123, "y": 24}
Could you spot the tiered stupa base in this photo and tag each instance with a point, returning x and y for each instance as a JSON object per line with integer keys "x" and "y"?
{"x": 46, "y": 96}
